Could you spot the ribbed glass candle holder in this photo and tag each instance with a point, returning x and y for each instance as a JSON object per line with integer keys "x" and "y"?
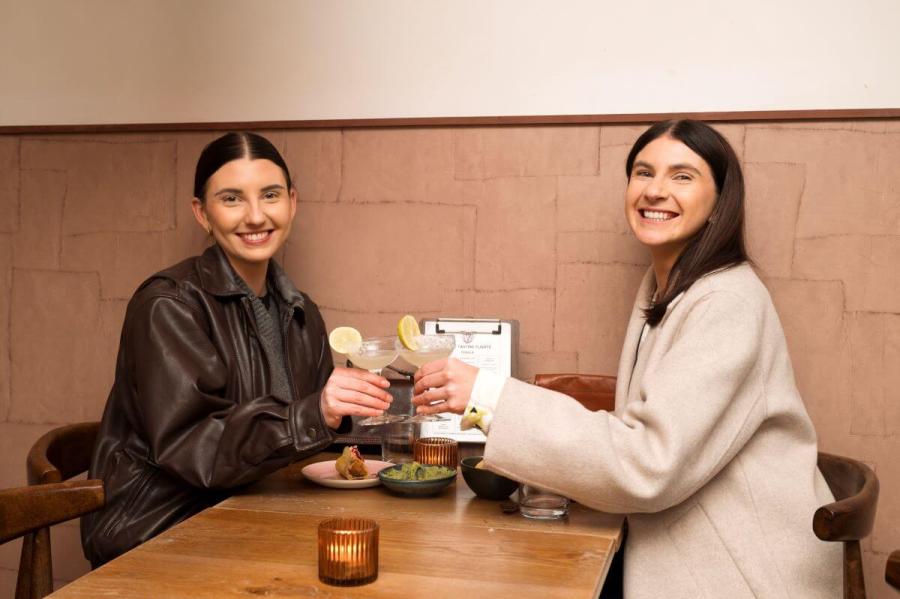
{"x": 439, "y": 451}
{"x": 348, "y": 551}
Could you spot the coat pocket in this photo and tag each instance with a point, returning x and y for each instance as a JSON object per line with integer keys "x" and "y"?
{"x": 707, "y": 557}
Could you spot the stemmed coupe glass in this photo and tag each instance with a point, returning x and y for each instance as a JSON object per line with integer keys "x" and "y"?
{"x": 428, "y": 349}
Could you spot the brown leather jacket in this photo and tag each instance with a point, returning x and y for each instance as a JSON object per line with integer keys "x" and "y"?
{"x": 190, "y": 415}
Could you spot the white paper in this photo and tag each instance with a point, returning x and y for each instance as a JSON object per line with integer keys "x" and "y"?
{"x": 477, "y": 343}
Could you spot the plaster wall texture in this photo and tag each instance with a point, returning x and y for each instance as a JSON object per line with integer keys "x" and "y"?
{"x": 512, "y": 222}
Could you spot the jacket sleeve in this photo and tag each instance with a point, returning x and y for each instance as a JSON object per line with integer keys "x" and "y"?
{"x": 701, "y": 404}
{"x": 194, "y": 432}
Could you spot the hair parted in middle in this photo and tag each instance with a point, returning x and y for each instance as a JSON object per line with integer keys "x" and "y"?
{"x": 720, "y": 242}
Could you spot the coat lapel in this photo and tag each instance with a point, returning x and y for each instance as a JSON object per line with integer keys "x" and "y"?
{"x": 632, "y": 335}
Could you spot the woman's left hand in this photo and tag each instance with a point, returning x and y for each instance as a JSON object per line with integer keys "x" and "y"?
{"x": 447, "y": 381}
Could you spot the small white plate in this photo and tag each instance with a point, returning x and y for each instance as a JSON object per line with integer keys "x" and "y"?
{"x": 323, "y": 473}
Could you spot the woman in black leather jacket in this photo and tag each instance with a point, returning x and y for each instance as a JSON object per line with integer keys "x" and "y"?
{"x": 224, "y": 372}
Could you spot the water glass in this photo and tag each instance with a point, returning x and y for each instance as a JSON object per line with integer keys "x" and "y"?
{"x": 397, "y": 441}
{"x": 541, "y": 504}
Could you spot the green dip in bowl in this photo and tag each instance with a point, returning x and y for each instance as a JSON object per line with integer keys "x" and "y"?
{"x": 417, "y": 480}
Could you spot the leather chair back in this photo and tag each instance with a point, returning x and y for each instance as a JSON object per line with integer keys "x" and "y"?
{"x": 593, "y": 391}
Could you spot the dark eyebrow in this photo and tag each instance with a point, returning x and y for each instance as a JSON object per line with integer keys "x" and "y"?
{"x": 640, "y": 163}
{"x": 231, "y": 190}
{"x": 684, "y": 166}
{"x": 239, "y": 192}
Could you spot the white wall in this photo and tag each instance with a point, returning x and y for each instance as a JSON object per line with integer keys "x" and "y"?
{"x": 150, "y": 61}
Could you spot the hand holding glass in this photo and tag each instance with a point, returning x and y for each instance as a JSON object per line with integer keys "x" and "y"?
{"x": 428, "y": 349}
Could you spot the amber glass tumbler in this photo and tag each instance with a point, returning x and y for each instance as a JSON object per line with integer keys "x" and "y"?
{"x": 439, "y": 451}
{"x": 348, "y": 551}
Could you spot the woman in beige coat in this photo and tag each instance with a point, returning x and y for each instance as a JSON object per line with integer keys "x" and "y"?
{"x": 710, "y": 451}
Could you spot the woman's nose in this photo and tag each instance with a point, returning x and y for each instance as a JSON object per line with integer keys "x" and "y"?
{"x": 655, "y": 189}
{"x": 255, "y": 214}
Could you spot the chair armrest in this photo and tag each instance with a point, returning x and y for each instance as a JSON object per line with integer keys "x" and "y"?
{"x": 25, "y": 509}
{"x": 892, "y": 570}
{"x": 850, "y": 518}
{"x": 61, "y": 453}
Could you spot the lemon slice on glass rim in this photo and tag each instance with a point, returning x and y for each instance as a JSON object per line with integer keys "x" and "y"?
{"x": 345, "y": 340}
{"x": 407, "y": 331}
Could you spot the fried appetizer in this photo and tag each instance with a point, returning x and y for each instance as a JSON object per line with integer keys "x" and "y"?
{"x": 351, "y": 464}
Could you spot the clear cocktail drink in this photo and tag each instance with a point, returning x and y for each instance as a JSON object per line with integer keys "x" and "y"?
{"x": 374, "y": 353}
{"x": 430, "y": 348}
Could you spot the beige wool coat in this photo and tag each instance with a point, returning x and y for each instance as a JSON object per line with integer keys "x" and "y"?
{"x": 710, "y": 451}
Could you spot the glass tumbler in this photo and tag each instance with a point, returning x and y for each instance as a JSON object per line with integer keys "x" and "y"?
{"x": 541, "y": 504}
{"x": 397, "y": 440}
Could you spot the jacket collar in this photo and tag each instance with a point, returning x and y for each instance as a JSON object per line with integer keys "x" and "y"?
{"x": 219, "y": 278}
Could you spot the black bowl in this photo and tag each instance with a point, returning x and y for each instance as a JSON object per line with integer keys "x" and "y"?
{"x": 486, "y": 484}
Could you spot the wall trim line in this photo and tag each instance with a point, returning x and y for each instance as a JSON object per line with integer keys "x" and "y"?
{"x": 470, "y": 121}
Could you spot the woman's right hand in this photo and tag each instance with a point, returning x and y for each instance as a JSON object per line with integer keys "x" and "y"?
{"x": 353, "y": 392}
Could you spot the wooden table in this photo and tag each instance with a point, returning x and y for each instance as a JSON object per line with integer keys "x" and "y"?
{"x": 262, "y": 542}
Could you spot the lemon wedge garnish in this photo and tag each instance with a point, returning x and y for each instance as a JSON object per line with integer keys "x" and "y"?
{"x": 345, "y": 340}
{"x": 407, "y": 331}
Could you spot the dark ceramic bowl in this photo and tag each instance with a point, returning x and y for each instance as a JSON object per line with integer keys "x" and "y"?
{"x": 486, "y": 484}
{"x": 415, "y": 488}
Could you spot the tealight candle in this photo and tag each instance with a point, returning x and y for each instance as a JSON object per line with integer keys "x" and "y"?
{"x": 348, "y": 551}
{"x": 438, "y": 451}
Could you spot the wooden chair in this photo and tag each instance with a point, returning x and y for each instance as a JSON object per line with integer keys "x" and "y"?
{"x": 849, "y": 519}
{"x": 30, "y": 511}
{"x": 593, "y": 391}
{"x": 892, "y": 570}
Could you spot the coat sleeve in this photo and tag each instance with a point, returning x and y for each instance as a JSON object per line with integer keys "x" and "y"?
{"x": 699, "y": 407}
{"x": 194, "y": 431}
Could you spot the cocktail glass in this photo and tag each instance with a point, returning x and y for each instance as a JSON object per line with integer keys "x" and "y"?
{"x": 374, "y": 353}
{"x": 430, "y": 348}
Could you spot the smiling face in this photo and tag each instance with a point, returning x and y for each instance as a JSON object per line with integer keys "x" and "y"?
{"x": 248, "y": 209}
{"x": 671, "y": 193}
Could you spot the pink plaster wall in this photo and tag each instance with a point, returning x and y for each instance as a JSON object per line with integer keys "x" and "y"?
{"x": 519, "y": 222}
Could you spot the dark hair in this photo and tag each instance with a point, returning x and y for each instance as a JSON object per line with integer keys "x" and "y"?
{"x": 232, "y": 146}
{"x": 720, "y": 243}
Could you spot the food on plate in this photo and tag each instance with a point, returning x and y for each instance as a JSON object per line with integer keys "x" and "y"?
{"x": 351, "y": 464}
{"x": 417, "y": 471}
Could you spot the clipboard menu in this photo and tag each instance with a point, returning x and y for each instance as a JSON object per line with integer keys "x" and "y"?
{"x": 491, "y": 344}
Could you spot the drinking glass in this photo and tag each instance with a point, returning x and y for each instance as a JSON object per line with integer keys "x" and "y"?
{"x": 430, "y": 348}
{"x": 541, "y": 504}
{"x": 398, "y": 440}
{"x": 374, "y": 353}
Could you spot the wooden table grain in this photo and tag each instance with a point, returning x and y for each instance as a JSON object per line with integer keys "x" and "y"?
{"x": 262, "y": 543}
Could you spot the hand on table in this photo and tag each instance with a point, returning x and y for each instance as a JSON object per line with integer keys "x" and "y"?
{"x": 448, "y": 381}
{"x": 353, "y": 392}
